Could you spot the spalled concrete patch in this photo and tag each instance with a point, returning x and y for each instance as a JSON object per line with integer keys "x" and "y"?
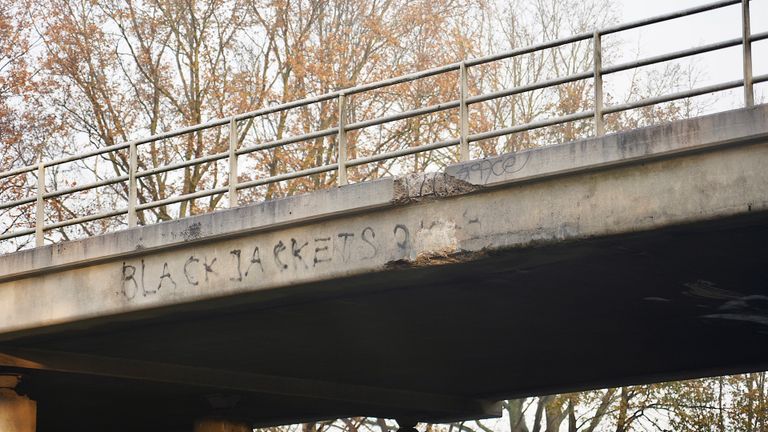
{"x": 425, "y": 186}
{"x": 437, "y": 258}
{"x": 437, "y": 238}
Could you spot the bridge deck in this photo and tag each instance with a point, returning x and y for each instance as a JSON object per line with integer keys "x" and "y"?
{"x": 614, "y": 260}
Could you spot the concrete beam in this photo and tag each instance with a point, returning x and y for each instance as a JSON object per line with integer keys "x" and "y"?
{"x": 269, "y": 215}
{"x": 363, "y": 263}
{"x": 737, "y": 127}
{"x": 629, "y": 182}
{"x": 425, "y": 404}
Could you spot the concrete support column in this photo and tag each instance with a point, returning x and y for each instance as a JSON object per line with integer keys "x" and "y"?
{"x": 221, "y": 425}
{"x": 407, "y": 425}
{"x": 17, "y": 413}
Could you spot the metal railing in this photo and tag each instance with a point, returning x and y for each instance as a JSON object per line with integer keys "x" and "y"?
{"x": 463, "y": 104}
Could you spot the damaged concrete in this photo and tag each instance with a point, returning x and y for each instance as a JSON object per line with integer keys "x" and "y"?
{"x": 423, "y": 219}
{"x": 434, "y": 278}
{"x": 419, "y": 187}
{"x": 436, "y": 258}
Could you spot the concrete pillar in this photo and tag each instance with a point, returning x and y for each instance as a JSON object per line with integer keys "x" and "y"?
{"x": 407, "y": 425}
{"x": 17, "y": 413}
{"x": 221, "y": 425}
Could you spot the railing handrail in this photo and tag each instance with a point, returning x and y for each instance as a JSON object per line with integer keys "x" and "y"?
{"x": 341, "y": 165}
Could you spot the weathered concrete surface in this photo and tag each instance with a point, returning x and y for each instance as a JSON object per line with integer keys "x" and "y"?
{"x": 635, "y": 146}
{"x": 17, "y": 413}
{"x": 279, "y": 244}
{"x": 638, "y": 244}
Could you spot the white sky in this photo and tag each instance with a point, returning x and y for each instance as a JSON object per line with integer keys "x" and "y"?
{"x": 704, "y": 28}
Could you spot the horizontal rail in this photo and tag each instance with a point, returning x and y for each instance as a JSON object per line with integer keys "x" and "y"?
{"x": 529, "y": 49}
{"x": 530, "y": 126}
{"x": 673, "y": 96}
{"x": 668, "y": 16}
{"x": 17, "y": 202}
{"x": 383, "y": 83}
{"x": 400, "y": 80}
{"x": 85, "y": 219}
{"x": 612, "y": 69}
{"x": 18, "y": 171}
{"x": 335, "y": 130}
{"x": 529, "y": 87}
{"x": 180, "y": 198}
{"x": 107, "y": 182}
{"x": 758, "y": 36}
{"x": 183, "y": 164}
{"x": 70, "y": 158}
{"x": 455, "y": 104}
{"x": 680, "y": 54}
{"x": 387, "y": 82}
{"x": 341, "y": 98}
{"x": 403, "y": 115}
{"x": 92, "y": 153}
{"x": 19, "y": 233}
{"x": 289, "y": 140}
{"x": 287, "y": 176}
{"x": 300, "y": 103}
{"x": 403, "y": 152}
{"x": 604, "y": 31}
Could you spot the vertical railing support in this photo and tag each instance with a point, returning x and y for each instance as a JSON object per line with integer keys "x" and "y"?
{"x": 746, "y": 34}
{"x": 132, "y": 188}
{"x": 40, "y": 208}
{"x": 232, "y": 163}
{"x": 342, "y": 141}
{"x": 463, "y": 114}
{"x": 598, "y": 71}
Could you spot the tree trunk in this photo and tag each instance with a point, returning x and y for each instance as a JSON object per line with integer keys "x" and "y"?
{"x": 621, "y": 420}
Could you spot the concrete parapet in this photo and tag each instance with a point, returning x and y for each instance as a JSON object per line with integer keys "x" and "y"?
{"x": 629, "y": 182}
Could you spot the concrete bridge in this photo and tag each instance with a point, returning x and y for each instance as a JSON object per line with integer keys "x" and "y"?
{"x": 621, "y": 259}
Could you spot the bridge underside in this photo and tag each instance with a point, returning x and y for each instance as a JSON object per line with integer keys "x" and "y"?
{"x": 623, "y": 259}
{"x": 679, "y": 302}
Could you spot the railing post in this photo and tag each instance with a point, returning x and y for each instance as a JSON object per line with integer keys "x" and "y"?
{"x": 598, "y": 71}
{"x": 342, "y": 141}
{"x": 132, "y": 195}
{"x": 232, "y": 163}
{"x": 40, "y": 209}
{"x": 463, "y": 114}
{"x": 749, "y": 95}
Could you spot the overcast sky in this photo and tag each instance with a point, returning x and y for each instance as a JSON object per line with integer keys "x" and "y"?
{"x": 703, "y": 28}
